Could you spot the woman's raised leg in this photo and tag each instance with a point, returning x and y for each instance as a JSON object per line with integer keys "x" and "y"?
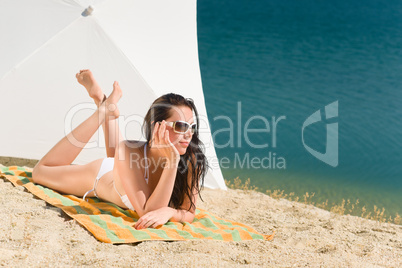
{"x": 54, "y": 169}
{"x": 110, "y": 127}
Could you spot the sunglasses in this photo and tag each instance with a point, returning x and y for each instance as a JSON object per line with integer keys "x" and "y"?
{"x": 182, "y": 127}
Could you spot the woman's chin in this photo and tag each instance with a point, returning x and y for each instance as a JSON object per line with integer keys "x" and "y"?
{"x": 182, "y": 150}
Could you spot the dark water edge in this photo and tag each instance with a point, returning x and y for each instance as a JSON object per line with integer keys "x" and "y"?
{"x": 324, "y": 189}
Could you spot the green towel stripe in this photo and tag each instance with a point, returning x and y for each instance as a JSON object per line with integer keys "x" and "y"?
{"x": 64, "y": 200}
{"x": 139, "y": 235}
{"x": 105, "y": 212}
{"x": 243, "y": 228}
{"x": 50, "y": 193}
{"x": 204, "y": 232}
{"x": 197, "y": 211}
{"x": 208, "y": 223}
{"x": 219, "y": 221}
{"x": 80, "y": 210}
{"x": 162, "y": 234}
{"x": 235, "y": 234}
{"x": 24, "y": 180}
{"x": 95, "y": 199}
{"x": 256, "y": 236}
{"x": 232, "y": 225}
{"x": 226, "y": 222}
{"x": 183, "y": 234}
{"x": 125, "y": 212}
{"x": 97, "y": 220}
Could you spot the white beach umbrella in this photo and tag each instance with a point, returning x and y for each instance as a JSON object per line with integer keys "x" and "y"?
{"x": 150, "y": 47}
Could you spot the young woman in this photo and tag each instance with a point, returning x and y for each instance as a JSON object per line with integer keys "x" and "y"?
{"x": 160, "y": 179}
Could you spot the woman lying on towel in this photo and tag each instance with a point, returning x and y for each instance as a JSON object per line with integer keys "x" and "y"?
{"x": 160, "y": 179}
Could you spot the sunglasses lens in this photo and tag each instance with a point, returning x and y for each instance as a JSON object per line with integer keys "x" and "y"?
{"x": 180, "y": 127}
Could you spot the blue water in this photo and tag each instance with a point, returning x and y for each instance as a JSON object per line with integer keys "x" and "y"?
{"x": 269, "y": 59}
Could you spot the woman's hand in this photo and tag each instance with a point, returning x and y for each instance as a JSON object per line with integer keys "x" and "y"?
{"x": 161, "y": 142}
{"x": 155, "y": 218}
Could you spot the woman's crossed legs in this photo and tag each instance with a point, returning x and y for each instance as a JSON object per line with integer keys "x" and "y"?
{"x": 55, "y": 171}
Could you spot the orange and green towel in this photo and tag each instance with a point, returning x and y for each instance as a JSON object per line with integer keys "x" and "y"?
{"x": 111, "y": 224}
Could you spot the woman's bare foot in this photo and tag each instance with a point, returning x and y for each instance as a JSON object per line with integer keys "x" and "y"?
{"x": 109, "y": 106}
{"x": 86, "y": 78}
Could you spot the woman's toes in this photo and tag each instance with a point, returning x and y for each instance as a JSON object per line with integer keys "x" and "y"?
{"x": 116, "y": 93}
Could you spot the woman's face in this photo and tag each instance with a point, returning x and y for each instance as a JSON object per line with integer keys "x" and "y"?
{"x": 180, "y": 141}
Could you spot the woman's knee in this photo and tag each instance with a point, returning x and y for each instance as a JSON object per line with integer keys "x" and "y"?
{"x": 40, "y": 174}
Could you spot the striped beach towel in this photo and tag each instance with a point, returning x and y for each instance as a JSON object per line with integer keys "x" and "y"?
{"x": 111, "y": 224}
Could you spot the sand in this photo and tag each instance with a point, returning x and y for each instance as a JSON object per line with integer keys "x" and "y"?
{"x": 36, "y": 234}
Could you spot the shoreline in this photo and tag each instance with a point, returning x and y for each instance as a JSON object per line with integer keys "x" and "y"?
{"x": 305, "y": 235}
{"x": 354, "y": 207}
{"x": 335, "y": 191}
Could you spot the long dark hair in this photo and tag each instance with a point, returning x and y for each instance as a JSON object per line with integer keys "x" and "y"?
{"x": 194, "y": 159}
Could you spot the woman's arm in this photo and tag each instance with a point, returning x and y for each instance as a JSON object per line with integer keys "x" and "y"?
{"x": 185, "y": 214}
{"x": 160, "y": 216}
{"x": 182, "y": 215}
{"x": 163, "y": 190}
{"x": 138, "y": 192}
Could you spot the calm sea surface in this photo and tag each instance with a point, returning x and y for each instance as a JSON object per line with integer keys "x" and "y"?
{"x": 268, "y": 65}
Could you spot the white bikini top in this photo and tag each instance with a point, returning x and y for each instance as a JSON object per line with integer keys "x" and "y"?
{"x": 146, "y": 175}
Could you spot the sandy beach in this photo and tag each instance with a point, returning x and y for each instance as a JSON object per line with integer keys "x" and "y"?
{"x": 36, "y": 234}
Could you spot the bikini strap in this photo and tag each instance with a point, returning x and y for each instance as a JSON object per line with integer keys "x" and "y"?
{"x": 92, "y": 190}
{"x": 146, "y": 175}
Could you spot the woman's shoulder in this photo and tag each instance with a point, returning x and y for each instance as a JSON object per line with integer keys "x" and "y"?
{"x": 133, "y": 145}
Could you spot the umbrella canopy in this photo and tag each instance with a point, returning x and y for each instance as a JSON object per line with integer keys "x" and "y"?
{"x": 150, "y": 47}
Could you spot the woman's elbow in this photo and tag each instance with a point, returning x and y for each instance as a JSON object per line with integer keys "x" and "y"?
{"x": 190, "y": 217}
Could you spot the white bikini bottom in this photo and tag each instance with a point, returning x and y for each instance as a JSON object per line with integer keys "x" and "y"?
{"x": 107, "y": 166}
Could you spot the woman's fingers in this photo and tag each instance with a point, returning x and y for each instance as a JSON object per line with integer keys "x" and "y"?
{"x": 162, "y": 131}
{"x": 139, "y": 224}
{"x": 167, "y": 140}
{"x": 145, "y": 222}
{"x": 149, "y": 224}
{"x": 155, "y": 134}
{"x": 162, "y": 141}
{"x": 159, "y": 134}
